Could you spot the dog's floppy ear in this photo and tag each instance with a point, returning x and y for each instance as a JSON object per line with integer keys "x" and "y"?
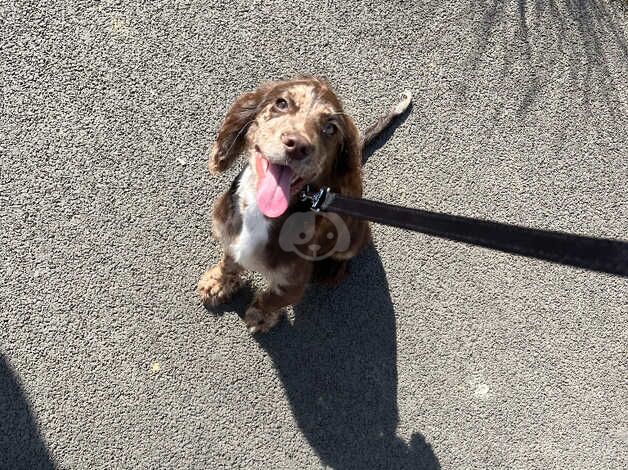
{"x": 346, "y": 178}
{"x": 347, "y": 172}
{"x": 231, "y": 136}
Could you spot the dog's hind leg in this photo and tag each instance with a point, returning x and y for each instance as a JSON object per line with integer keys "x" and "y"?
{"x": 330, "y": 272}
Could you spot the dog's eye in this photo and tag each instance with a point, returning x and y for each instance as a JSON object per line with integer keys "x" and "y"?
{"x": 281, "y": 104}
{"x": 329, "y": 128}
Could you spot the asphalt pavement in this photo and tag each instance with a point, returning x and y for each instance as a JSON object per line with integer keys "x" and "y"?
{"x": 432, "y": 354}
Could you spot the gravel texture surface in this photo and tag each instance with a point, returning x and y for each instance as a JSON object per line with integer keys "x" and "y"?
{"x": 431, "y": 355}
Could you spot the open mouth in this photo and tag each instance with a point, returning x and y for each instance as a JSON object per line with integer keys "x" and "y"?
{"x": 275, "y": 185}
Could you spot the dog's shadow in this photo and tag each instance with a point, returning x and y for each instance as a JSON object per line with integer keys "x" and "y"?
{"x": 338, "y": 364}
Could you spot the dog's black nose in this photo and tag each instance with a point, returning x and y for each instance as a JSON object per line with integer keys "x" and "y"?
{"x": 296, "y": 146}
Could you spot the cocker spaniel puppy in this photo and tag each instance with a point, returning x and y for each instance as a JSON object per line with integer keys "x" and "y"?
{"x": 294, "y": 133}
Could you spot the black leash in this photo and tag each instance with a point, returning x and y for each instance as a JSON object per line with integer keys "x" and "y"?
{"x": 597, "y": 254}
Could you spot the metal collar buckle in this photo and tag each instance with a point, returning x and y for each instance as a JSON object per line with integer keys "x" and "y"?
{"x": 316, "y": 198}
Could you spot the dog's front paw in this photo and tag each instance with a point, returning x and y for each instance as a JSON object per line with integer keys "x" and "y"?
{"x": 258, "y": 321}
{"x": 216, "y": 287}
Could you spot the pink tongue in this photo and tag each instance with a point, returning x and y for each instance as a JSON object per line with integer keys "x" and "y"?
{"x": 273, "y": 191}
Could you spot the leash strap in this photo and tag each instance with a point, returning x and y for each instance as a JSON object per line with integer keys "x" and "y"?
{"x": 597, "y": 254}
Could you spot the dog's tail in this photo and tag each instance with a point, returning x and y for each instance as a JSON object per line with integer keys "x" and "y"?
{"x": 384, "y": 121}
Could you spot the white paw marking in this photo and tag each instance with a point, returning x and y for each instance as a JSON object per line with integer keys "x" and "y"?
{"x": 404, "y": 103}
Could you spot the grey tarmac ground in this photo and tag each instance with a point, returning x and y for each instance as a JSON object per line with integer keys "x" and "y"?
{"x": 431, "y": 355}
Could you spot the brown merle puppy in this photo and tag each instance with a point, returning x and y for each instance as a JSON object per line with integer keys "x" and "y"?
{"x": 294, "y": 132}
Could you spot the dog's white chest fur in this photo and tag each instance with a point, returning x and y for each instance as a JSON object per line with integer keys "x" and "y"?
{"x": 254, "y": 233}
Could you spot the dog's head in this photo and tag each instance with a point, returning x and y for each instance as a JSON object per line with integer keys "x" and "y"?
{"x": 294, "y": 132}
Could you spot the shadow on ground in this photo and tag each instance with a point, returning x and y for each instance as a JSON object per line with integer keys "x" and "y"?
{"x": 579, "y": 30}
{"x": 21, "y": 445}
{"x": 338, "y": 364}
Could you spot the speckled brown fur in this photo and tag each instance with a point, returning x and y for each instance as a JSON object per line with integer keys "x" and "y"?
{"x": 254, "y": 122}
